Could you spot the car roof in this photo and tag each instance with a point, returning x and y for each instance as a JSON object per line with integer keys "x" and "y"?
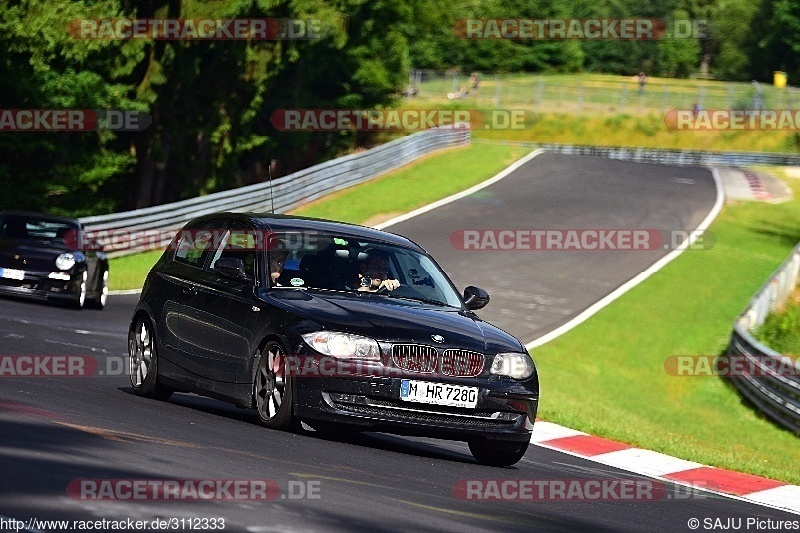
{"x": 270, "y": 221}
{"x": 37, "y": 214}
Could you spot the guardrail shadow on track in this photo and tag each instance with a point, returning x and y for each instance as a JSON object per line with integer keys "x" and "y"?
{"x": 775, "y": 393}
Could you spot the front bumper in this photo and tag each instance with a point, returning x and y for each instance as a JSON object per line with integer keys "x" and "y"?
{"x": 42, "y": 286}
{"x": 505, "y": 410}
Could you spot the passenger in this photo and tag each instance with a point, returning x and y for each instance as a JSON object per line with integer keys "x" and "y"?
{"x": 374, "y": 274}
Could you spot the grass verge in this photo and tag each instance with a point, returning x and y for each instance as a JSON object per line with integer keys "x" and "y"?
{"x": 424, "y": 181}
{"x": 607, "y": 376}
{"x": 781, "y": 329}
{"x": 129, "y": 271}
{"x": 648, "y": 131}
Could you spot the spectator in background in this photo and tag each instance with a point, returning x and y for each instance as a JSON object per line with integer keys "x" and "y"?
{"x": 642, "y": 81}
{"x": 474, "y": 83}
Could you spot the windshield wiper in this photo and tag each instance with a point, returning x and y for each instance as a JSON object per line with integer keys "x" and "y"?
{"x": 414, "y": 299}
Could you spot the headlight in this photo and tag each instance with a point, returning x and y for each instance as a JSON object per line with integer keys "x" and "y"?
{"x": 343, "y": 345}
{"x": 515, "y": 365}
{"x": 65, "y": 261}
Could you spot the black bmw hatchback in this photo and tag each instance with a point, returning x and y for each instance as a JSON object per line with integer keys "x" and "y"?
{"x": 333, "y": 325}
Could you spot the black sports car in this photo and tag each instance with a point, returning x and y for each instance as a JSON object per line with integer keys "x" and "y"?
{"x": 47, "y": 257}
{"x": 332, "y": 325}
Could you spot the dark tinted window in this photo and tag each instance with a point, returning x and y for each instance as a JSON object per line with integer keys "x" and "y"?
{"x": 31, "y": 227}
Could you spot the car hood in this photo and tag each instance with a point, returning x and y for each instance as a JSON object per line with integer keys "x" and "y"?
{"x": 397, "y": 320}
{"x": 30, "y": 255}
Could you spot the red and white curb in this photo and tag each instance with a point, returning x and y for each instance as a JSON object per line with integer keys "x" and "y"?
{"x": 747, "y": 487}
{"x": 757, "y": 186}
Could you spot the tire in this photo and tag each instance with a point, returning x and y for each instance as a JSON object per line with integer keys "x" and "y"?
{"x": 497, "y": 453}
{"x": 144, "y": 361}
{"x": 272, "y": 388}
{"x": 80, "y": 298}
{"x": 99, "y": 301}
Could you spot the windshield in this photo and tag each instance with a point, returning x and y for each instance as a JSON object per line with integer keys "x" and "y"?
{"x": 32, "y": 227}
{"x": 343, "y": 263}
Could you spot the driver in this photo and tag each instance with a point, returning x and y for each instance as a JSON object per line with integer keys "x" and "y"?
{"x": 374, "y": 274}
{"x": 277, "y": 260}
{"x": 278, "y": 254}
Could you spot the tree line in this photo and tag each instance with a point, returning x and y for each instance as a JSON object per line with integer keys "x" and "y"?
{"x": 210, "y": 101}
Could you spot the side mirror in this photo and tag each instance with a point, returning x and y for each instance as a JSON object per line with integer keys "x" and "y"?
{"x": 231, "y": 267}
{"x": 475, "y": 297}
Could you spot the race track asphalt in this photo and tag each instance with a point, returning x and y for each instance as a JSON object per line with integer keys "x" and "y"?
{"x": 534, "y": 291}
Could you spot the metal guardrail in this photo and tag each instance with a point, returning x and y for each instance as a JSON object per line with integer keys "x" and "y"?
{"x": 153, "y": 227}
{"x": 775, "y": 392}
{"x": 668, "y": 157}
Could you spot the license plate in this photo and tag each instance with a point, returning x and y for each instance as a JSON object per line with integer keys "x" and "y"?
{"x": 438, "y": 393}
{"x": 10, "y": 273}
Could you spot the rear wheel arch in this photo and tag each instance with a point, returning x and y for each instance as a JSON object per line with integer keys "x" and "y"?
{"x": 137, "y": 315}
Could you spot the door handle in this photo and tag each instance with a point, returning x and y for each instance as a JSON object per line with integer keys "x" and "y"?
{"x": 190, "y": 290}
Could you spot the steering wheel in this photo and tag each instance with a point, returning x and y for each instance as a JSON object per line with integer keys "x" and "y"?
{"x": 384, "y": 290}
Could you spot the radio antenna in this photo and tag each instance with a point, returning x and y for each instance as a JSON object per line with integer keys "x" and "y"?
{"x": 271, "y": 194}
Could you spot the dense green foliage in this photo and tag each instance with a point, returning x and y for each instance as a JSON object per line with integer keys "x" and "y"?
{"x": 211, "y": 101}
{"x": 781, "y": 330}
